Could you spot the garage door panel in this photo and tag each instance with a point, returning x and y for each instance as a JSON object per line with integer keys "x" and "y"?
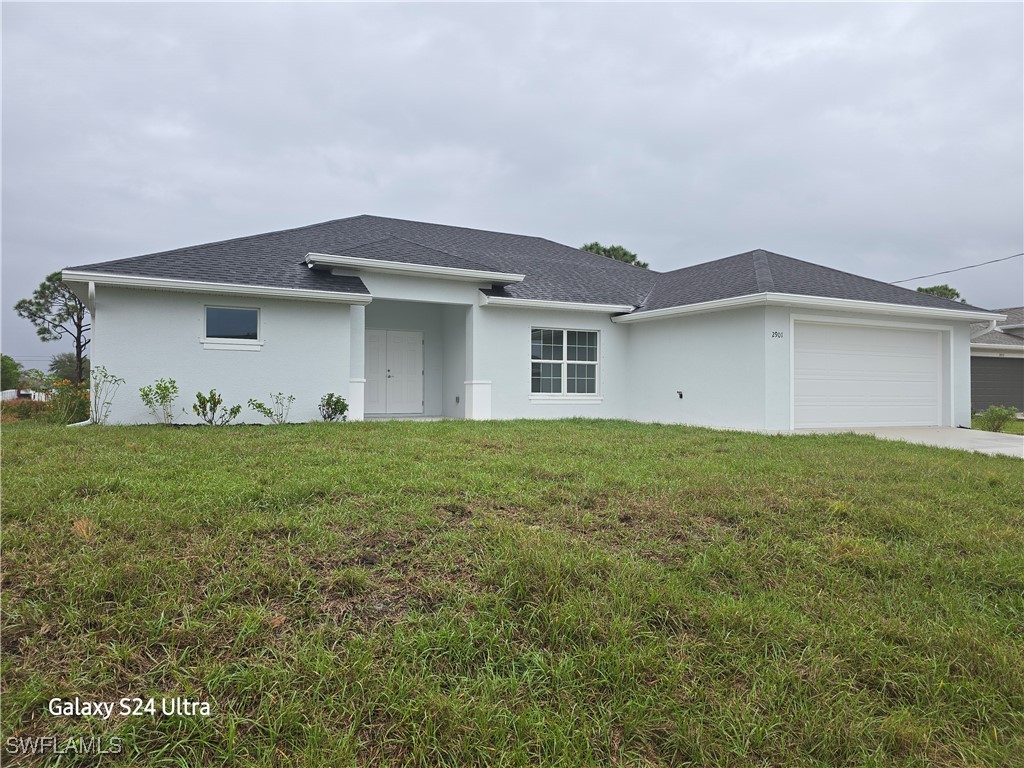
{"x": 851, "y": 376}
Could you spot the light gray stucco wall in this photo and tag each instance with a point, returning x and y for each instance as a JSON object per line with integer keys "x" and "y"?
{"x": 453, "y": 378}
{"x": 715, "y": 359}
{"x": 502, "y": 356}
{"x": 143, "y": 335}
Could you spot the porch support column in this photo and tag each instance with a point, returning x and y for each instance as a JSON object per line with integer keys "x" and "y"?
{"x": 357, "y": 362}
{"x": 478, "y": 389}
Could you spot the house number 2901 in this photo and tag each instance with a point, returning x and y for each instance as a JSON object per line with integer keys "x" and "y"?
{"x": 776, "y": 334}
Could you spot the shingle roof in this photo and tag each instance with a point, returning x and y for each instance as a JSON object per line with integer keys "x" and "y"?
{"x": 762, "y": 271}
{"x": 553, "y": 271}
{"x": 1008, "y": 338}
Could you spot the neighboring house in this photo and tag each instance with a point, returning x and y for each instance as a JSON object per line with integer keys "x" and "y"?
{"x": 997, "y": 361}
{"x": 406, "y": 319}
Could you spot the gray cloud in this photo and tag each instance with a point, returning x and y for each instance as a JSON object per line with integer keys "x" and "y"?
{"x": 880, "y": 138}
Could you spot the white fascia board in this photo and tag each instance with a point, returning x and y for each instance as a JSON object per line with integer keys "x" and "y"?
{"x": 814, "y": 302}
{"x": 1013, "y": 349}
{"x": 571, "y": 306}
{"x": 693, "y": 309}
{"x": 415, "y": 270}
{"x": 198, "y": 286}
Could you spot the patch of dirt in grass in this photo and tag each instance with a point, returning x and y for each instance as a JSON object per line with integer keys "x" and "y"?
{"x": 385, "y": 575}
{"x": 456, "y": 510}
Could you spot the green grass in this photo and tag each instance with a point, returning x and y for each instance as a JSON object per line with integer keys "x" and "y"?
{"x": 1014, "y": 427}
{"x": 514, "y": 594}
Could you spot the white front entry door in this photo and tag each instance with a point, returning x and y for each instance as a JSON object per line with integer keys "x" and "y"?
{"x": 394, "y": 371}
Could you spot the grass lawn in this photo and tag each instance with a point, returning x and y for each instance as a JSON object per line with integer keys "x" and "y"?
{"x": 1014, "y": 427}
{"x": 520, "y": 593}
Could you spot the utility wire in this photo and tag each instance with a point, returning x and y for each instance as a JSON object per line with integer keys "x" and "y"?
{"x": 958, "y": 269}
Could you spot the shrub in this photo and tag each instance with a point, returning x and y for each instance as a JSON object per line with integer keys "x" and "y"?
{"x": 333, "y": 407}
{"x": 22, "y": 409}
{"x": 104, "y": 386}
{"x": 159, "y": 397}
{"x": 69, "y": 402}
{"x": 995, "y": 417}
{"x": 206, "y": 408}
{"x": 278, "y": 412}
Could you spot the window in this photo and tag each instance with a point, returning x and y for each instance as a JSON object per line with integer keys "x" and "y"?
{"x": 235, "y": 328}
{"x": 232, "y": 323}
{"x": 563, "y": 362}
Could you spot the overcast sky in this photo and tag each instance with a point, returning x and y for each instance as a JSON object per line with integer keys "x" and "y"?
{"x": 884, "y": 139}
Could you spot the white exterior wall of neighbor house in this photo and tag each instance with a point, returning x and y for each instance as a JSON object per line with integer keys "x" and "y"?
{"x": 716, "y": 359}
{"x": 142, "y": 335}
{"x": 954, "y": 344}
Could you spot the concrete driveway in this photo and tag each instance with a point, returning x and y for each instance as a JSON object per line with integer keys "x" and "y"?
{"x": 992, "y": 443}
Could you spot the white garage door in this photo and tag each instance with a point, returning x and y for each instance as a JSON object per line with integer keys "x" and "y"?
{"x": 864, "y": 376}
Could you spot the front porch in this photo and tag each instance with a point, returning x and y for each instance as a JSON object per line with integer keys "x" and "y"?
{"x": 412, "y": 360}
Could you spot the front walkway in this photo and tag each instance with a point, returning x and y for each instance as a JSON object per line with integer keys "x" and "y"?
{"x": 992, "y": 443}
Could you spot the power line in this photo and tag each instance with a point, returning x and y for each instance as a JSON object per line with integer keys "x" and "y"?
{"x": 958, "y": 269}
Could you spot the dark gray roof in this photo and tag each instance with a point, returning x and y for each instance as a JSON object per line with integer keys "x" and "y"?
{"x": 553, "y": 271}
{"x": 1013, "y": 337}
{"x": 766, "y": 272}
{"x": 407, "y": 252}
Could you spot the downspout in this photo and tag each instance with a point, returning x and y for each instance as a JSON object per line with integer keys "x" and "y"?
{"x": 90, "y": 304}
{"x": 991, "y": 327}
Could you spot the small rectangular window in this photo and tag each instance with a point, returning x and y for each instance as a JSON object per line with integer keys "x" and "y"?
{"x": 232, "y": 323}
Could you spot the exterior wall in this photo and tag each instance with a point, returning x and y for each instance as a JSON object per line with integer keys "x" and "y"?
{"x": 955, "y": 345}
{"x": 997, "y": 381}
{"x": 716, "y": 359}
{"x": 500, "y": 355}
{"x": 143, "y": 335}
{"x": 453, "y": 377}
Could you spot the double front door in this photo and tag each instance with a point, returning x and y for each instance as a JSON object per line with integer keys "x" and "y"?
{"x": 394, "y": 371}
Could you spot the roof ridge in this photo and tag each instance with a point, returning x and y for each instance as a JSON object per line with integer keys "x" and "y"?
{"x": 391, "y": 236}
{"x": 441, "y": 250}
{"x": 763, "y": 272}
{"x": 455, "y": 226}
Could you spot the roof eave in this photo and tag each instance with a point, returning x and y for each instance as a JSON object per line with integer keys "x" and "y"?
{"x": 813, "y": 302}
{"x": 415, "y": 270}
{"x": 572, "y": 306}
{"x": 201, "y": 286}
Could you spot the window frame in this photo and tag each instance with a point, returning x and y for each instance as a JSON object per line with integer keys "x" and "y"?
{"x": 244, "y": 345}
{"x": 564, "y": 396}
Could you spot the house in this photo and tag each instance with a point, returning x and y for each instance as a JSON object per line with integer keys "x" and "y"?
{"x": 405, "y": 318}
{"x": 997, "y": 361}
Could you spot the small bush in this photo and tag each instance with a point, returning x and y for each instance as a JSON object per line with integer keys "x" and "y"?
{"x": 208, "y": 408}
{"x": 333, "y": 407}
{"x": 995, "y": 417}
{"x": 159, "y": 397}
{"x": 278, "y": 412}
{"x": 69, "y": 402}
{"x": 104, "y": 386}
{"x": 22, "y": 409}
